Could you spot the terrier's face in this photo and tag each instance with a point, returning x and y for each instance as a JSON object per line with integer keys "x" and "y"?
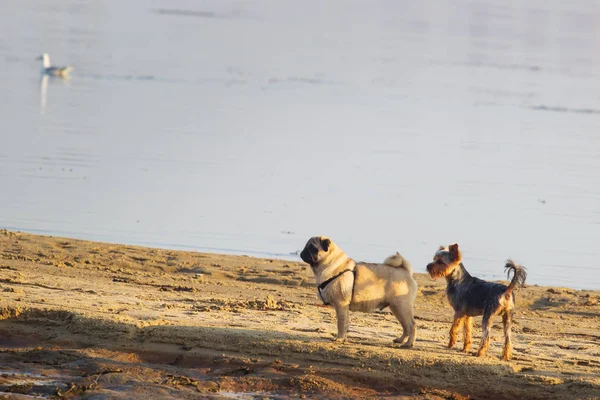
{"x": 445, "y": 261}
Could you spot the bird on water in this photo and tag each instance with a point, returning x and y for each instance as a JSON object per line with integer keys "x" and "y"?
{"x": 47, "y": 69}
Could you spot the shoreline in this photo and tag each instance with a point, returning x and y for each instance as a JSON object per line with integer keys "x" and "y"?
{"x": 140, "y": 321}
{"x": 291, "y": 257}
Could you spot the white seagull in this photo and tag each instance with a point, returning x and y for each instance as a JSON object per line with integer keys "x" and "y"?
{"x": 53, "y": 71}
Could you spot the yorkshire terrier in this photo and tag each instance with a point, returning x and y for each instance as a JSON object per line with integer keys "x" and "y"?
{"x": 470, "y": 296}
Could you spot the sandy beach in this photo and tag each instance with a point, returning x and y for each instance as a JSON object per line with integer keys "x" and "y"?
{"x": 81, "y": 319}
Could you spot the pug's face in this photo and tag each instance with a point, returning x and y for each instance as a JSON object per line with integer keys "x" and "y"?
{"x": 316, "y": 250}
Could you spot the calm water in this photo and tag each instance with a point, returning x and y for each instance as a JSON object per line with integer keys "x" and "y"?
{"x": 249, "y": 126}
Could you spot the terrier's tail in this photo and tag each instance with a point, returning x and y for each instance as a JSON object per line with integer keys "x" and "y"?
{"x": 519, "y": 276}
{"x": 397, "y": 261}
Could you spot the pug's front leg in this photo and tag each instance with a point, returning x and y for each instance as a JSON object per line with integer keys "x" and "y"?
{"x": 342, "y": 312}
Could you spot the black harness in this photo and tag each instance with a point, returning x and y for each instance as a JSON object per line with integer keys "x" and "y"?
{"x": 323, "y": 285}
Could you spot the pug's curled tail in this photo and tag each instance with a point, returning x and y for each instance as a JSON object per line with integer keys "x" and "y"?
{"x": 397, "y": 261}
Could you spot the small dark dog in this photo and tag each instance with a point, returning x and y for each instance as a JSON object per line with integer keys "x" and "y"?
{"x": 470, "y": 296}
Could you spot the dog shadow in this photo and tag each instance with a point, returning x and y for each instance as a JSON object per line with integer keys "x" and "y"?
{"x": 175, "y": 346}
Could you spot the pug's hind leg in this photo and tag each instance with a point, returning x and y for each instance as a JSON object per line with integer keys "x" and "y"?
{"x": 405, "y": 328}
{"x": 403, "y": 311}
{"x": 342, "y": 312}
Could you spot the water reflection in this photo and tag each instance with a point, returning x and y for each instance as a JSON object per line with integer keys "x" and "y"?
{"x": 45, "y": 80}
{"x": 43, "y": 92}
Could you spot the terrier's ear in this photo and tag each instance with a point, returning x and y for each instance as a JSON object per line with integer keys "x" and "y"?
{"x": 454, "y": 252}
{"x": 325, "y": 243}
{"x": 442, "y": 248}
{"x": 397, "y": 253}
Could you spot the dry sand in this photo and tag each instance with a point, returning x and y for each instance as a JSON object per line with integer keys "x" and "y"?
{"x": 95, "y": 320}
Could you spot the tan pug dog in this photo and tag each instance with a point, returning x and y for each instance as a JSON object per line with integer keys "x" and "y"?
{"x": 351, "y": 286}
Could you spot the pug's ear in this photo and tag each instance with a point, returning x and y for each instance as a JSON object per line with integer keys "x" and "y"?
{"x": 325, "y": 243}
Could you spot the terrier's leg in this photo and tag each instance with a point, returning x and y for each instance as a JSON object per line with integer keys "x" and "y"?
{"x": 506, "y": 322}
{"x": 467, "y": 333}
{"x": 486, "y": 325}
{"x": 458, "y": 320}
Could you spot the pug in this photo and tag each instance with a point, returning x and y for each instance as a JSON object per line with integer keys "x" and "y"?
{"x": 348, "y": 285}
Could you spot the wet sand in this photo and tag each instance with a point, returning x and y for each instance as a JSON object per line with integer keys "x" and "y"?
{"x": 87, "y": 319}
